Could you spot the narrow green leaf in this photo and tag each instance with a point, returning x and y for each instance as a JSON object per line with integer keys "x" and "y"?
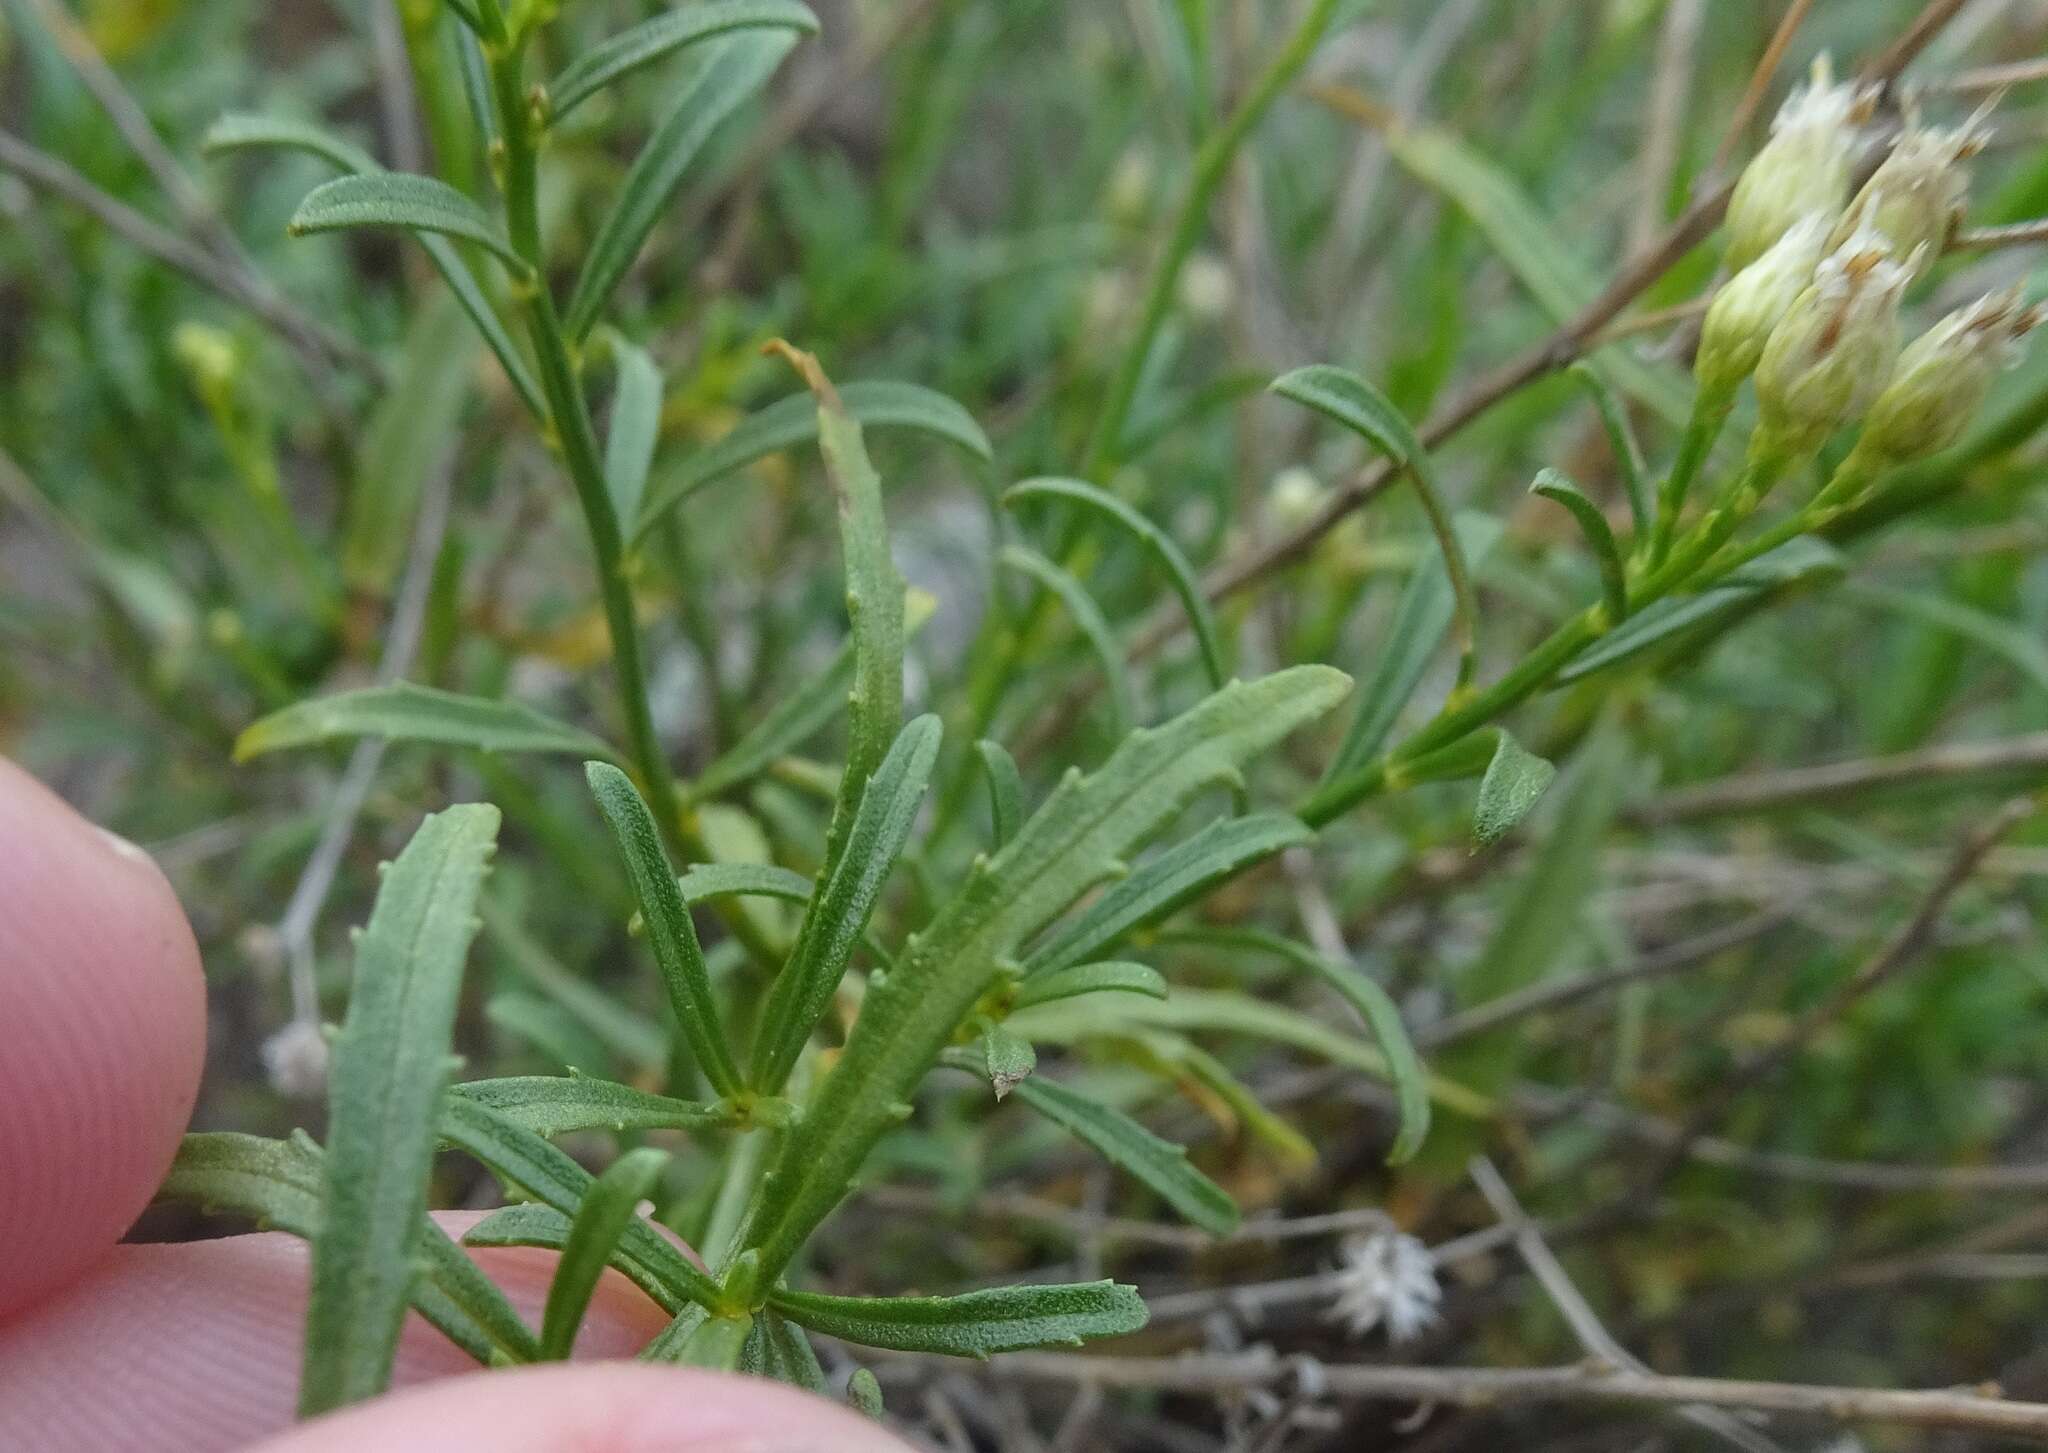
{"x": 1515, "y": 782}
{"x": 1418, "y": 627}
{"x": 757, "y": 880}
{"x": 864, "y": 1392}
{"x": 390, "y": 1061}
{"x": 1794, "y": 563}
{"x": 2021, "y": 649}
{"x": 522, "y": 1159}
{"x": 635, "y": 427}
{"x": 1621, "y": 441}
{"x": 626, "y": 1033}
{"x": 608, "y": 1207}
{"x": 538, "y": 1023}
{"x": 1093, "y": 625}
{"x": 244, "y": 131}
{"x": 673, "y": 1340}
{"x": 1078, "y": 837}
{"x": 839, "y": 912}
{"x": 402, "y": 200}
{"x": 551, "y": 1105}
{"x": 1110, "y": 976}
{"x": 1179, "y": 572}
{"x": 408, "y": 713}
{"x": 973, "y": 1324}
{"x": 733, "y": 68}
{"x": 718, "y": 1344}
{"x": 1554, "y": 484}
{"x": 1351, "y": 401}
{"x": 1164, "y": 883}
{"x": 277, "y": 1183}
{"x": 1181, "y": 1062}
{"x": 669, "y": 928}
{"x": 665, "y": 34}
{"x": 793, "y": 421}
{"x": 1008, "y": 1057}
{"x": 788, "y": 724}
{"x": 1158, "y": 1164}
{"x": 778, "y": 1349}
{"x": 1005, "y": 789}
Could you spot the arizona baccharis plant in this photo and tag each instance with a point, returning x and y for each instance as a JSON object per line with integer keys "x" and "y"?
{"x": 797, "y": 1048}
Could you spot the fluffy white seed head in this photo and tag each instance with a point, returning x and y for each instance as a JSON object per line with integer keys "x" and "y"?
{"x": 1916, "y": 195}
{"x": 1388, "y": 1280}
{"x": 1943, "y": 376}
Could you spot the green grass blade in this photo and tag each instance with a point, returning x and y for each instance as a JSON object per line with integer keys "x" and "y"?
{"x": 602, "y": 1217}
{"x": 408, "y": 713}
{"x": 1179, "y": 572}
{"x": 790, "y": 422}
{"x": 390, "y": 1062}
{"x": 405, "y": 201}
{"x": 669, "y": 928}
{"x": 974, "y": 1324}
{"x": 1159, "y": 1164}
{"x": 664, "y": 35}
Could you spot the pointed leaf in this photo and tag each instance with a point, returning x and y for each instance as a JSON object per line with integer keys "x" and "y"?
{"x": 974, "y": 1324}
{"x": 1621, "y": 441}
{"x": 778, "y": 1349}
{"x": 1008, "y": 1057}
{"x": 665, "y": 34}
{"x": 793, "y": 421}
{"x": 1553, "y": 484}
{"x": 409, "y": 713}
{"x": 402, "y": 200}
{"x": 390, "y": 1061}
{"x": 551, "y": 1105}
{"x": 1515, "y": 782}
{"x": 1158, "y": 1164}
{"x": 840, "y": 911}
{"x": 608, "y": 1207}
{"x": 865, "y": 1393}
{"x": 733, "y": 69}
{"x": 1164, "y": 883}
{"x": 718, "y": 1344}
{"x": 1110, "y": 976}
{"x": 669, "y": 928}
{"x": 1005, "y": 789}
{"x": 1179, "y": 572}
{"x": 635, "y": 426}
{"x": 756, "y": 880}
{"x": 244, "y": 131}
{"x": 1093, "y": 625}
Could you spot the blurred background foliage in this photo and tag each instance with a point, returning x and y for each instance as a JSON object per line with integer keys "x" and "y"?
{"x": 200, "y": 522}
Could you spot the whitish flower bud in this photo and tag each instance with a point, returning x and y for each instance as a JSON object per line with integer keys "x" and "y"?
{"x": 295, "y": 1059}
{"x": 1752, "y": 303}
{"x": 1915, "y": 197}
{"x": 1803, "y": 168}
{"x": 1834, "y": 349}
{"x": 1293, "y": 499}
{"x": 1942, "y": 378}
{"x": 1206, "y": 287}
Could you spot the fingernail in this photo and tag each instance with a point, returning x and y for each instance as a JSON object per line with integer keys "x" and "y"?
{"x": 123, "y": 848}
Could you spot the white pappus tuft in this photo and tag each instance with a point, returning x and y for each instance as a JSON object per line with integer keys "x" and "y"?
{"x": 1388, "y": 1279}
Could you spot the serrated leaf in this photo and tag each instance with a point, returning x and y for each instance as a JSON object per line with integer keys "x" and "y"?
{"x": 1078, "y": 836}
{"x": 606, "y": 1210}
{"x": 551, "y": 1105}
{"x": 793, "y": 421}
{"x": 1089, "y": 619}
{"x": 403, "y": 200}
{"x": 1411, "y": 640}
{"x": 1164, "y": 883}
{"x": 1179, "y": 572}
{"x": 277, "y": 1183}
{"x": 1795, "y": 562}
{"x": 1554, "y": 484}
{"x": 733, "y": 68}
{"x": 1515, "y": 782}
{"x": 1108, "y": 977}
{"x": 664, "y": 35}
{"x": 408, "y": 713}
{"x": 634, "y": 428}
{"x": 1008, "y": 1057}
{"x": 245, "y": 131}
{"x": 973, "y": 1324}
{"x": 839, "y": 912}
{"x": 778, "y": 1349}
{"x": 1005, "y": 789}
{"x": 1158, "y": 1164}
{"x": 669, "y": 929}
{"x": 521, "y": 1158}
{"x": 390, "y": 1061}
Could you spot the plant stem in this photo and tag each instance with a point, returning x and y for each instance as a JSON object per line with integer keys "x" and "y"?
{"x": 1700, "y": 432}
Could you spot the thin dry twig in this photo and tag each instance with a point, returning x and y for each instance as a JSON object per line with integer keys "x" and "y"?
{"x": 1804, "y": 786}
{"x": 1988, "y": 78}
{"x": 1759, "y": 84}
{"x": 2015, "y": 234}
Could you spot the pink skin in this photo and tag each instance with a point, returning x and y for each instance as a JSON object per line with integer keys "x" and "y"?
{"x": 193, "y": 1348}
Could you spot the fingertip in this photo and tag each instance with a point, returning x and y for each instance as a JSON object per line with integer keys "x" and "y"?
{"x": 105, "y": 1006}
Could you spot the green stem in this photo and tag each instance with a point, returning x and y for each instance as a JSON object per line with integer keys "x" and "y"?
{"x": 1700, "y": 432}
{"x": 1212, "y": 164}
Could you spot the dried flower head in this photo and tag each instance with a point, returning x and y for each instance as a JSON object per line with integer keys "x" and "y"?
{"x": 1916, "y": 195}
{"x": 1835, "y": 347}
{"x": 1803, "y": 168}
{"x": 1942, "y": 378}
{"x": 295, "y": 1059}
{"x": 1388, "y": 1279}
{"x": 1751, "y": 304}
